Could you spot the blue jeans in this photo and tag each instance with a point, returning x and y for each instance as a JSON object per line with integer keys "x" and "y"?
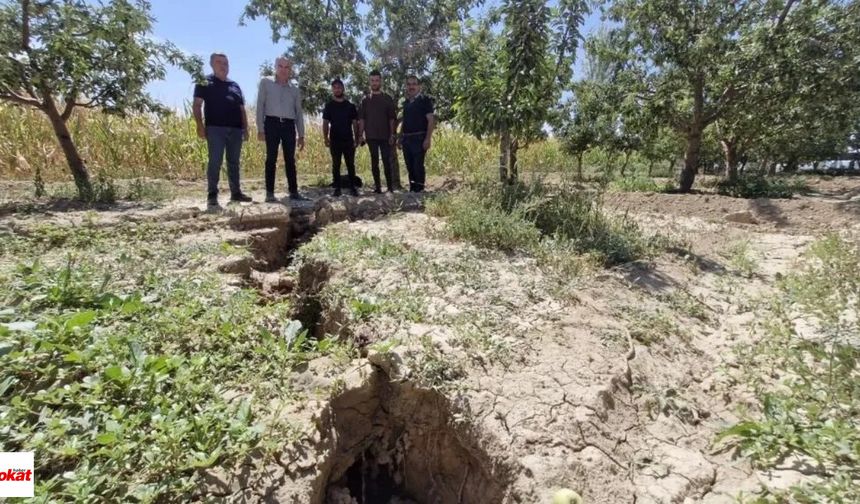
{"x": 221, "y": 139}
{"x": 413, "y": 154}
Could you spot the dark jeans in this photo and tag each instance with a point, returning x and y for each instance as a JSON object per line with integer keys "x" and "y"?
{"x": 220, "y": 139}
{"x": 413, "y": 154}
{"x": 342, "y": 149}
{"x": 378, "y": 147}
{"x": 280, "y": 133}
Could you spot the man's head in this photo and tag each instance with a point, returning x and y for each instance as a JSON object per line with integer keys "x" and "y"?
{"x": 413, "y": 86}
{"x": 375, "y": 81}
{"x": 220, "y": 65}
{"x": 337, "y": 88}
{"x": 283, "y": 69}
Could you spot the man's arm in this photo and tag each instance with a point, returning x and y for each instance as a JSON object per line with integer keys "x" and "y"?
{"x": 300, "y": 120}
{"x": 197, "y": 109}
{"x": 325, "y": 130}
{"x": 261, "y": 111}
{"x": 245, "y": 132}
{"x": 431, "y": 125}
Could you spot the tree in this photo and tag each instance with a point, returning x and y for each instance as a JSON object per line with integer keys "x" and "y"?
{"x": 58, "y": 55}
{"x": 508, "y": 71}
{"x": 802, "y": 92}
{"x": 687, "y": 55}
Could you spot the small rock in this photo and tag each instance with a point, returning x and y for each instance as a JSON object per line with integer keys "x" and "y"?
{"x": 236, "y": 265}
{"x": 745, "y": 217}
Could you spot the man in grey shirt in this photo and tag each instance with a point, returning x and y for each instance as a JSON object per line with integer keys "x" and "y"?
{"x": 279, "y": 120}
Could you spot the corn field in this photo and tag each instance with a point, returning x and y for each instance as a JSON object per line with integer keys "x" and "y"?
{"x": 168, "y": 148}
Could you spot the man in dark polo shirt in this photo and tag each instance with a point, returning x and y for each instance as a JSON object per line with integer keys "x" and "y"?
{"x": 376, "y": 120}
{"x": 416, "y": 132}
{"x": 340, "y": 129}
{"x": 225, "y": 126}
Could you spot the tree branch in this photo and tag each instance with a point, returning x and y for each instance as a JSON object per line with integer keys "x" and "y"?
{"x": 783, "y": 15}
{"x": 21, "y": 100}
{"x": 25, "y": 25}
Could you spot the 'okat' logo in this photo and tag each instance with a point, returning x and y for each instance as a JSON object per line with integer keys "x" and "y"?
{"x": 16, "y": 475}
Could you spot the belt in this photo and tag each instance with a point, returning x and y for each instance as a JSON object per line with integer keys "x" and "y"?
{"x": 416, "y": 133}
{"x": 281, "y": 119}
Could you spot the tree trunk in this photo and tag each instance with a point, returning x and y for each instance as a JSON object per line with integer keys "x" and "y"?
{"x": 512, "y": 162}
{"x": 791, "y": 165}
{"x": 731, "y": 156}
{"x": 626, "y": 160}
{"x": 395, "y": 168}
{"x": 504, "y": 151}
{"x": 671, "y": 166}
{"x": 815, "y": 165}
{"x": 771, "y": 170}
{"x": 73, "y": 158}
{"x": 579, "y": 166}
{"x": 691, "y": 160}
{"x": 694, "y": 137}
{"x": 650, "y": 167}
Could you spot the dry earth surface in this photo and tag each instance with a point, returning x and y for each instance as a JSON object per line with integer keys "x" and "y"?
{"x": 483, "y": 378}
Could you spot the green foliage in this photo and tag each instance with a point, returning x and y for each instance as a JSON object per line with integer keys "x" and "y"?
{"x": 524, "y": 218}
{"x": 116, "y": 364}
{"x": 814, "y": 411}
{"x": 758, "y": 186}
{"x": 507, "y": 71}
{"x": 639, "y": 184}
{"x": 347, "y": 39}
{"x": 61, "y": 55}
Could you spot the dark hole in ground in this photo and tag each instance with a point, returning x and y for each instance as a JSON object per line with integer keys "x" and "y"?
{"x": 396, "y": 443}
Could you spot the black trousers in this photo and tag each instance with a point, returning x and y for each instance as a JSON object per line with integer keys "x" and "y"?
{"x": 413, "y": 154}
{"x": 342, "y": 149}
{"x": 280, "y": 133}
{"x": 382, "y": 147}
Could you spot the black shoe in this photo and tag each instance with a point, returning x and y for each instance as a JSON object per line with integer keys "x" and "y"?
{"x": 353, "y": 191}
{"x": 270, "y": 198}
{"x": 242, "y": 198}
{"x": 378, "y": 190}
{"x": 212, "y": 202}
{"x": 336, "y": 193}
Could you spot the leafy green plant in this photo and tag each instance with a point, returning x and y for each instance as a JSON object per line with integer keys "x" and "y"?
{"x": 639, "y": 184}
{"x": 759, "y": 186}
{"x": 814, "y": 413}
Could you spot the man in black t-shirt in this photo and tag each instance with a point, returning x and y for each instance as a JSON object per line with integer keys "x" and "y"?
{"x": 225, "y": 127}
{"x": 416, "y": 132}
{"x": 340, "y": 131}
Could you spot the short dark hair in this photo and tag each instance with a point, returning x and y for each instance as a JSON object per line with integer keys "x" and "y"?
{"x": 411, "y": 77}
{"x": 375, "y": 73}
{"x": 337, "y": 81}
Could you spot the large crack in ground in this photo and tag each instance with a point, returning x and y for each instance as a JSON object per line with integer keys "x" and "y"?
{"x": 395, "y": 442}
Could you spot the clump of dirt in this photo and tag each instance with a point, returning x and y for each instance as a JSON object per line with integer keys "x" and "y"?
{"x": 394, "y": 442}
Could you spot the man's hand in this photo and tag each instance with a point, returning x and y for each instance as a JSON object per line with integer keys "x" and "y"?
{"x": 261, "y": 136}
{"x": 201, "y": 131}
{"x": 301, "y": 143}
{"x": 426, "y": 144}
{"x": 327, "y": 142}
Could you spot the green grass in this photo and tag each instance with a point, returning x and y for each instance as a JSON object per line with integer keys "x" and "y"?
{"x": 540, "y": 219}
{"x": 639, "y": 184}
{"x": 814, "y": 409}
{"x": 116, "y": 366}
{"x": 759, "y": 186}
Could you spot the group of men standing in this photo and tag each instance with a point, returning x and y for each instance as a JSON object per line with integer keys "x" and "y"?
{"x": 219, "y": 110}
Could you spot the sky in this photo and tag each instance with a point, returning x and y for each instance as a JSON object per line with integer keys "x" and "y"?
{"x": 202, "y": 27}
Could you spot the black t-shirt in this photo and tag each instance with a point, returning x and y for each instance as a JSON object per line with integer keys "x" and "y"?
{"x": 340, "y": 115}
{"x": 222, "y": 102}
{"x": 415, "y": 114}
